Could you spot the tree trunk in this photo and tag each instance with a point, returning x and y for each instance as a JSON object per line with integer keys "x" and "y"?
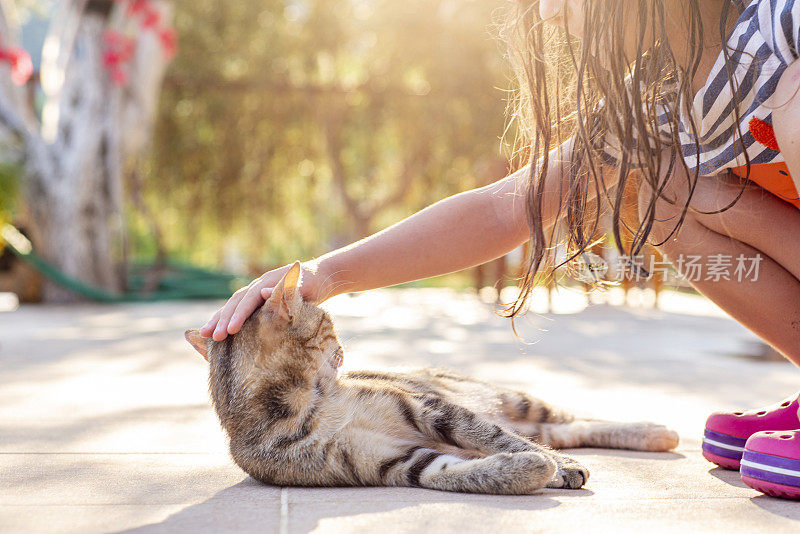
{"x": 90, "y": 129}
{"x": 362, "y": 212}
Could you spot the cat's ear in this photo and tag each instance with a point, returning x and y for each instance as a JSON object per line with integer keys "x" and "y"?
{"x": 198, "y": 342}
{"x": 286, "y": 299}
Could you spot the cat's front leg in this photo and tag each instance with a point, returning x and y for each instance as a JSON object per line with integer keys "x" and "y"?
{"x": 458, "y": 426}
{"x": 520, "y": 473}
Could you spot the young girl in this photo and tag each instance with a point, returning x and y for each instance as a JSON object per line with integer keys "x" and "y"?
{"x": 691, "y": 106}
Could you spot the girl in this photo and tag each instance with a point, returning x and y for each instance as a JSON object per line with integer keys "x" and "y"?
{"x": 688, "y": 105}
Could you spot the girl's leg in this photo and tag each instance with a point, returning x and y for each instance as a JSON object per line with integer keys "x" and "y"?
{"x": 758, "y": 224}
{"x": 769, "y": 305}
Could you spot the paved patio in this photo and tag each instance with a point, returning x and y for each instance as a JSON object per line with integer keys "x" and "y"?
{"x": 105, "y": 423}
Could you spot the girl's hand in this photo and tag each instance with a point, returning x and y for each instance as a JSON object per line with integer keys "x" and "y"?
{"x": 230, "y": 318}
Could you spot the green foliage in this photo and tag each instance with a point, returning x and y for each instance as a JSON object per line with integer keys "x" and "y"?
{"x": 9, "y": 190}
{"x": 268, "y": 100}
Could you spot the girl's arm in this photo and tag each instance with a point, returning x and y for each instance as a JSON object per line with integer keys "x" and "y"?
{"x": 458, "y": 232}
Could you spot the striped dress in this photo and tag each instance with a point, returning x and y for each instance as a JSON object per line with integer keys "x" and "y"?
{"x": 764, "y": 42}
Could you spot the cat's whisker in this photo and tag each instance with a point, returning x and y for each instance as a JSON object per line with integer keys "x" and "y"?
{"x": 349, "y": 339}
{"x": 334, "y": 287}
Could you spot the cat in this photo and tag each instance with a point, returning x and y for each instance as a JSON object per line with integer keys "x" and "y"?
{"x": 291, "y": 420}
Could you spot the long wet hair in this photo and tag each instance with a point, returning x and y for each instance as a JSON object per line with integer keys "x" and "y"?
{"x": 584, "y": 89}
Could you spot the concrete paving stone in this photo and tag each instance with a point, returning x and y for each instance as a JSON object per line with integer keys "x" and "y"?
{"x": 101, "y": 479}
{"x": 543, "y": 514}
{"x": 79, "y": 519}
{"x": 189, "y": 429}
{"x": 243, "y": 513}
{"x": 106, "y": 426}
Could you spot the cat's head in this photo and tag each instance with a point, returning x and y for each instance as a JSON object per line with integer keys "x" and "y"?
{"x": 287, "y": 339}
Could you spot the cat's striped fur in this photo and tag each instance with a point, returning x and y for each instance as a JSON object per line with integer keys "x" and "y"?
{"x": 292, "y": 420}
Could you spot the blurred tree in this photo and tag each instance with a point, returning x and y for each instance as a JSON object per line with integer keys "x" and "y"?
{"x": 290, "y": 127}
{"x": 102, "y": 66}
{"x": 9, "y": 187}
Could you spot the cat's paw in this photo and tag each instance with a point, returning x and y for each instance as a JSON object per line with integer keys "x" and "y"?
{"x": 504, "y": 473}
{"x": 657, "y": 438}
{"x": 532, "y": 469}
{"x": 569, "y": 474}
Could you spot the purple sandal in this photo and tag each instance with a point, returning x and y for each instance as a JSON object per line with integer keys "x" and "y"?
{"x": 771, "y": 463}
{"x": 726, "y": 433}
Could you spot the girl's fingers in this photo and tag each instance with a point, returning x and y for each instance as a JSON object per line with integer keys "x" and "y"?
{"x": 221, "y": 331}
{"x": 230, "y": 318}
{"x": 207, "y": 329}
{"x": 252, "y": 300}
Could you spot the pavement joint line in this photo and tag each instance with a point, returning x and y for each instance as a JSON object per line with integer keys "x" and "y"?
{"x": 284, "y": 526}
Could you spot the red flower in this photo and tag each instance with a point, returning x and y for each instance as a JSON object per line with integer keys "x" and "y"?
{"x": 119, "y": 76}
{"x": 20, "y": 62}
{"x": 112, "y": 37}
{"x": 763, "y": 133}
{"x": 119, "y": 47}
{"x": 147, "y": 11}
{"x": 110, "y": 59}
{"x": 150, "y": 19}
{"x": 118, "y": 52}
{"x": 138, "y": 6}
{"x": 169, "y": 41}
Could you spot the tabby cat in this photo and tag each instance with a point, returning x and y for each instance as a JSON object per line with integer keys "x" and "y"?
{"x": 292, "y": 420}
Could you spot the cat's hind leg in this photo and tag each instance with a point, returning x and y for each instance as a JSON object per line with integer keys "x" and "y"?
{"x": 602, "y": 434}
{"x": 559, "y": 429}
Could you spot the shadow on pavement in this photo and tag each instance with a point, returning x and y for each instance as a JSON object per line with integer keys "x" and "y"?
{"x": 624, "y": 453}
{"x": 778, "y": 506}
{"x": 246, "y": 506}
{"x": 728, "y": 476}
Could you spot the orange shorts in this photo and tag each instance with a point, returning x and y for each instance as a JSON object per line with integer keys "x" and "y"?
{"x": 774, "y": 177}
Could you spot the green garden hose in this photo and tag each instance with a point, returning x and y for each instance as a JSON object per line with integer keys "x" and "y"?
{"x": 176, "y": 281}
